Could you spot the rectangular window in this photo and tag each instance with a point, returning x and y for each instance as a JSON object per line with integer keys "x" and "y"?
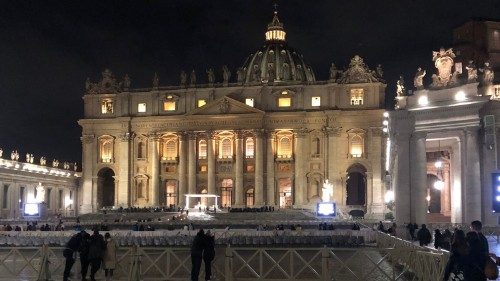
{"x": 169, "y": 106}
{"x": 250, "y": 169}
{"x": 107, "y": 106}
{"x": 141, "y": 107}
{"x": 249, "y": 101}
{"x": 5, "y": 198}
{"x": 316, "y": 101}
{"x": 61, "y": 200}
{"x": 203, "y": 168}
{"x": 201, "y": 103}
{"x": 284, "y": 102}
{"x": 357, "y": 96}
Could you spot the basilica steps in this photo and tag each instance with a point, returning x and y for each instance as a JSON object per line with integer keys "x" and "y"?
{"x": 438, "y": 218}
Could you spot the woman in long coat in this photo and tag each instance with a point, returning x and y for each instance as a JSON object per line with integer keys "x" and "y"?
{"x": 109, "y": 256}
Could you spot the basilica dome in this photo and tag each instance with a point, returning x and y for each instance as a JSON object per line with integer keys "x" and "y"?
{"x": 275, "y": 62}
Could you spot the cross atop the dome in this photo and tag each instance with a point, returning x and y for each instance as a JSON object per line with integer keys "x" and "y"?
{"x": 275, "y": 8}
{"x": 275, "y": 30}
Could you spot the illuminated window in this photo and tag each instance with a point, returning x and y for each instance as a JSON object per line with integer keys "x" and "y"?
{"x": 170, "y": 193}
{"x": 169, "y": 106}
{"x": 106, "y": 149}
{"x": 249, "y": 148}
{"x": 169, "y": 150}
{"x": 226, "y": 192}
{"x": 249, "y": 197}
{"x": 356, "y": 146}
{"x": 201, "y": 103}
{"x": 202, "y": 149}
{"x": 285, "y": 147}
{"x": 226, "y": 148}
{"x": 203, "y": 168}
{"x": 141, "y": 107}
{"x": 250, "y": 168}
{"x": 357, "y": 96}
{"x": 284, "y": 102}
{"x": 107, "y": 106}
{"x": 249, "y": 101}
{"x": 316, "y": 101}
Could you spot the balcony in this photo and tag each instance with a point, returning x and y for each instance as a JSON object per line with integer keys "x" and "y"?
{"x": 170, "y": 159}
{"x": 284, "y": 158}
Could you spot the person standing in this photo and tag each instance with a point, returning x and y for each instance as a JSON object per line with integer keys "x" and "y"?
{"x": 84, "y": 253}
{"x": 438, "y": 239}
{"x": 458, "y": 263}
{"x": 424, "y": 236}
{"x": 477, "y": 226}
{"x": 109, "y": 256}
{"x": 209, "y": 254}
{"x": 69, "y": 253}
{"x": 197, "y": 254}
{"x": 96, "y": 252}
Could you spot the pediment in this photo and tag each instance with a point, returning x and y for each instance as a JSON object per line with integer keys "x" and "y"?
{"x": 225, "y": 105}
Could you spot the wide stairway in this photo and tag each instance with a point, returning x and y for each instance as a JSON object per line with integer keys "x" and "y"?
{"x": 438, "y": 218}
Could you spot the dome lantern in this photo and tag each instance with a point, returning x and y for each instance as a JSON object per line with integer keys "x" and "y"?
{"x": 275, "y": 31}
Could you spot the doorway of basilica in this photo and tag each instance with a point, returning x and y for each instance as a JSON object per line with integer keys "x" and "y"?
{"x": 285, "y": 189}
{"x": 170, "y": 193}
{"x": 105, "y": 188}
{"x": 356, "y": 185}
{"x": 226, "y": 192}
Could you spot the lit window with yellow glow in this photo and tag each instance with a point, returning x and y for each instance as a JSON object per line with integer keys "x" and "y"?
{"x": 169, "y": 149}
{"x": 169, "y": 106}
{"x": 249, "y": 101}
{"x": 285, "y": 147}
{"x": 284, "y": 102}
{"x": 141, "y": 107}
{"x": 357, "y": 96}
{"x": 107, "y": 106}
{"x": 106, "y": 149}
{"x": 202, "y": 149}
{"x": 275, "y": 35}
{"x": 201, "y": 103}
{"x": 249, "y": 148}
{"x": 316, "y": 101}
{"x": 226, "y": 148}
{"x": 356, "y": 146}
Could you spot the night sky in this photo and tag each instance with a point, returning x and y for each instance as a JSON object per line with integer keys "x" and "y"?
{"x": 49, "y": 48}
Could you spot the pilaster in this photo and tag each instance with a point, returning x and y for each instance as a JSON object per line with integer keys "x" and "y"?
{"x": 238, "y": 187}
{"x": 183, "y": 154}
{"x": 211, "y": 165}
{"x": 192, "y": 163}
{"x": 259, "y": 168}
{"x": 155, "y": 169}
{"x": 270, "y": 180}
{"x": 89, "y": 148}
{"x": 473, "y": 177}
{"x": 418, "y": 178}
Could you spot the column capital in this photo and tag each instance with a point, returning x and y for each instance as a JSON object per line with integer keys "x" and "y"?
{"x": 301, "y": 132}
{"x": 153, "y": 137}
{"x": 239, "y": 134}
{"x": 87, "y": 138}
{"x": 418, "y": 135}
{"x": 211, "y": 135}
{"x": 182, "y": 135}
{"x": 259, "y": 133}
{"x": 191, "y": 135}
{"x": 126, "y": 137}
{"x": 332, "y": 131}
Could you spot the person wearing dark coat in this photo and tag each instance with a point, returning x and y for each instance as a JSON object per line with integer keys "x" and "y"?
{"x": 97, "y": 246}
{"x": 477, "y": 226}
{"x": 411, "y": 229}
{"x": 209, "y": 254}
{"x": 438, "y": 239}
{"x": 84, "y": 253}
{"x": 459, "y": 261}
{"x": 424, "y": 236}
{"x": 197, "y": 254}
{"x": 69, "y": 253}
{"x": 477, "y": 257}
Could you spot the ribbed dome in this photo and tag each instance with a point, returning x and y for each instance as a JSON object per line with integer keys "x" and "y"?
{"x": 275, "y": 62}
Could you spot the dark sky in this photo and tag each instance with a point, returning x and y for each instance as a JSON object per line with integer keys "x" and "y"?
{"x": 49, "y": 48}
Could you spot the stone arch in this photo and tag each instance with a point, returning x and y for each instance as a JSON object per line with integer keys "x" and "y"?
{"x": 106, "y": 188}
{"x": 356, "y": 185}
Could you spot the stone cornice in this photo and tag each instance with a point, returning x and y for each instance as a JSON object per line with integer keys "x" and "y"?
{"x": 87, "y": 139}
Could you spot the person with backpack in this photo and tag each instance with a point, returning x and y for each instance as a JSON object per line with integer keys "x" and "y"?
{"x": 424, "y": 236}
{"x": 84, "y": 253}
{"x": 197, "y": 254}
{"x": 69, "y": 253}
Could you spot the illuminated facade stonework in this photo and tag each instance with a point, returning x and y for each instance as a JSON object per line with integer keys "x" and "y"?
{"x": 270, "y": 138}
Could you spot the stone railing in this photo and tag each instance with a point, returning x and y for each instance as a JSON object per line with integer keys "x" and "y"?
{"x": 424, "y": 263}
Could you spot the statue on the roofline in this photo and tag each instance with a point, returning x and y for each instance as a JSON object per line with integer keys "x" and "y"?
{"x": 192, "y": 78}
{"x": 183, "y": 78}
{"x": 210, "y": 76}
{"x": 488, "y": 74}
{"x": 418, "y": 81}
{"x": 400, "y": 87}
{"x": 226, "y": 75}
{"x": 471, "y": 72}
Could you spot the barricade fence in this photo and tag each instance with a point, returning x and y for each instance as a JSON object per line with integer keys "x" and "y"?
{"x": 393, "y": 259}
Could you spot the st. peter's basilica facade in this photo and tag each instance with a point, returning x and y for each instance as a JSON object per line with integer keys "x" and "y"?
{"x": 272, "y": 137}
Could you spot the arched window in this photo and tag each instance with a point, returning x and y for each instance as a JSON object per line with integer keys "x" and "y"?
{"x": 202, "y": 149}
{"x": 141, "y": 150}
{"x": 226, "y": 148}
{"x": 106, "y": 149}
{"x": 356, "y": 146}
{"x": 249, "y": 197}
{"x": 249, "y": 148}
{"x": 170, "y": 149}
{"x": 285, "y": 147}
{"x": 357, "y": 96}
{"x": 316, "y": 146}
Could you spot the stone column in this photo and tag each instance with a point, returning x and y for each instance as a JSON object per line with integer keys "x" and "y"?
{"x": 300, "y": 182}
{"x": 89, "y": 149}
{"x": 183, "y": 153}
{"x": 473, "y": 177}
{"x": 211, "y": 165}
{"x": 445, "y": 193}
{"x": 259, "y": 168}
{"x": 332, "y": 156}
{"x": 238, "y": 186}
{"x": 192, "y": 163}
{"x": 154, "y": 164}
{"x": 123, "y": 173}
{"x": 418, "y": 176}
{"x": 270, "y": 180}
{"x": 401, "y": 182}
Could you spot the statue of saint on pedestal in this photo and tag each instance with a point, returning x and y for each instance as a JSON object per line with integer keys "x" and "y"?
{"x": 327, "y": 191}
{"x": 40, "y": 193}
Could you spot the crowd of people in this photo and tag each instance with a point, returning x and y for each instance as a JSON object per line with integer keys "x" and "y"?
{"x": 251, "y": 210}
{"x": 93, "y": 250}
{"x": 202, "y": 249}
